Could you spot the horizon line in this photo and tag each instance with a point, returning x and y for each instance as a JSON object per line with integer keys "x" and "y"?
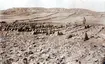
{"x": 53, "y": 8}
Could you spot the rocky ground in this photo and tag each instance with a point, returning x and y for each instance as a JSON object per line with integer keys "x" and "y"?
{"x": 51, "y": 42}
{"x": 70, "y": 44}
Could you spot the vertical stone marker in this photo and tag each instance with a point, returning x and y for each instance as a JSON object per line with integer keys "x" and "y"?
{"x": 86, "y": 37}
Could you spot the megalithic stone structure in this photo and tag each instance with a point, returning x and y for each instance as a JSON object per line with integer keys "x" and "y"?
{"x": 86, "y": 37}
{"x": 84, "y": 21}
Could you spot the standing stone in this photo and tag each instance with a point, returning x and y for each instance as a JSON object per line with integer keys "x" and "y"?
{"x": 86, "y": 37}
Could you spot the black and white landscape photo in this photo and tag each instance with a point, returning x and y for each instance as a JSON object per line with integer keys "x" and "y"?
{"x": 52, "y": 31}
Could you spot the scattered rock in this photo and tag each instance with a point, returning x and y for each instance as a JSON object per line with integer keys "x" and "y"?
{"x": 69, "y": 36}
{"x": 60, "y": 33}
{"x": 25, "y": 61}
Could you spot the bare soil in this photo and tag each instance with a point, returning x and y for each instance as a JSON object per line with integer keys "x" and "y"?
{"x": 52, "y": 36}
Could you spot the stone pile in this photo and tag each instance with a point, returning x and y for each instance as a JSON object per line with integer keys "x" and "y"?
{"x": 38, "y": 28}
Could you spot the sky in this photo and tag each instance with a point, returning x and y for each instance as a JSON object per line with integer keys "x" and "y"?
{"x": 95, "y": 5}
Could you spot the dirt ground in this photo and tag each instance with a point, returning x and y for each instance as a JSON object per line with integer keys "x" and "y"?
{"x": 52, "y": 38}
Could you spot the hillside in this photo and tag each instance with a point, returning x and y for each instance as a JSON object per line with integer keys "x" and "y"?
{"x": 51, "y": 14}
{"x": 52, "y": 36}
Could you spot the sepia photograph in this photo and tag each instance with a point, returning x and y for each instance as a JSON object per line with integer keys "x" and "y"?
{"x": 52, "y": 31}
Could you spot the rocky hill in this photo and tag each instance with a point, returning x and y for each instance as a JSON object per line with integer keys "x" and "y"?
{"x": 52, "y": 36}
{"x": 52, "y": 15}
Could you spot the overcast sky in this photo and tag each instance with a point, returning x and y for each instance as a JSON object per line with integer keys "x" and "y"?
{"x": 96, "y": 5}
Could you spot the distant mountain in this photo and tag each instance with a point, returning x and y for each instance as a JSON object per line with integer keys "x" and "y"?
{"x": 16, "y": 11}
{"x": 52, "y": 14}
